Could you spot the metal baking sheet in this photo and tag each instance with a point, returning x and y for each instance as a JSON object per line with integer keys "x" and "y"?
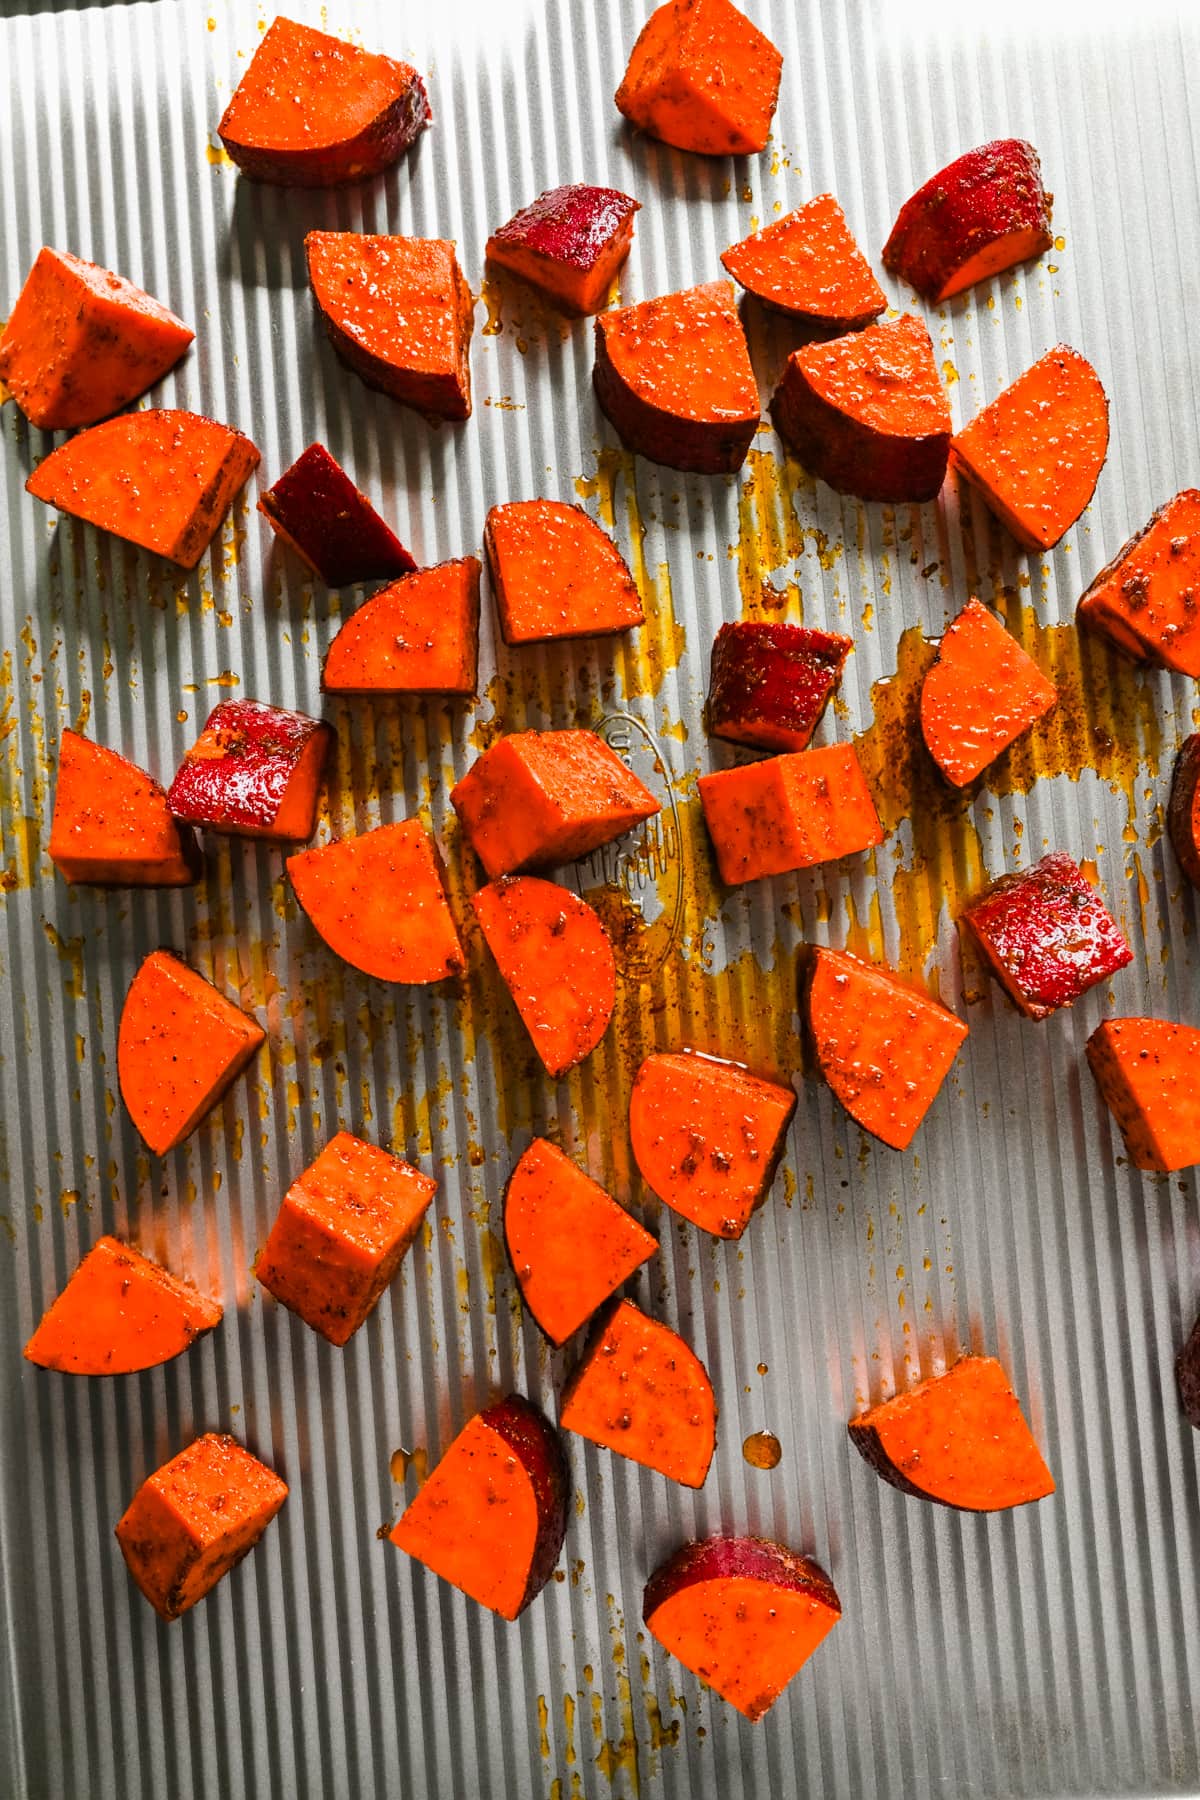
{"x": 1049, "y": 1652}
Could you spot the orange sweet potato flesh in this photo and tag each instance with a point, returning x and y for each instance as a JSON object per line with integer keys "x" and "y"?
{"x": 379, "y": 902}
{"x": 1183, "y": 809}
{"x": 570, "y": 1244}
{"x": 1148, "y": 1071}
{"x": 702, "y": 77}
{"x": 556, "y": 574}
{"x": 161, "y": 479}
{"x": 982, "y": 694}
{"x": 419, "y": 635}
{"x": 1036, "y": 452}
{"x": 809, "y": 265}
{"x": 118, "y": 1313}
{"x": 958, "y": 1438}
{"x": 707, "y": 1136}
{"x": 641, "y": 1391}
{"x": 81, "y": 342}
{"x": 789, "y": 812}
{"x": 1147, "y": 600}
{"x": 557, "y": 963}
{"x": 179, "y": 1046}
{"x": 111, "y": 824}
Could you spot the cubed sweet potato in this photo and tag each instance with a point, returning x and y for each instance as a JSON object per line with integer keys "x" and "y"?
{"x": 1147, "y": 600}
{"x": 330, "y": 524}
{"x": 112, "y": 826}
{"x": 254, "y": 771}
{"x": 379, "y": 902}
{"x": 556, "y": 573}
{"x": 557, "y": 963}
{"x": 982, "y": 694}
{"x": 1047, "y": 935}
{"x": 569, "y": 244}
{"x": 702, "y": 77}
{"x": 641, "y": 1391}
{"x": 789, "y": 812}
{"x": 984, "y": 212}
{"x": 769, "y": 683}
{"x": 1148, "y": 1072}
{"x": 119, "y": 1313}
{"x": 807, "y": 264}
{"x": 420, "y": 635}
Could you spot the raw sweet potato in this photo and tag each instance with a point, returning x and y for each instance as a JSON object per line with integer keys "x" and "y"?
{"x": 702, "y": 77}
{"x": 867, "y": 412}
{"x": 959, "y": 1438}
{"x": 743, "y": 1614}
{"x": 769, "y": 683}
{"x": 1183, "y": 809}
{"x": 1047, "y": 935}
{"x": 179, "y": 1046}
{"x": 641, "y": 1391}
{"x": 194, "y": 1519}
{"x": 707, "y": 1136}
{"x": 556, "y": 574}
{"x": 982, "y": 694}
{"x": 571, "y": 1245}
{"x": 808, "y": 264}
{"x": 420, "y": 635}
{"x": 399, "y": 313}
{"x": 254, "y": 771}
{"x": 542, "y": 797}
{"x": 984, "y": 212}
{"x": 557, "y": 963}
{"x": 789, "y": 812}
{"x": 112, "y": 826}
{"x": 492, "y": 1515}
{"x": 1148, "y": 1072}
{"x": 118, "y": 1313}
{"x": 331, "y": 525}
{"x": 379, "y": 902}
{"x": 1187, "y": 1377}
{"x": 313, "y": 111}
{"x": 883, "y": 1047}
{"x": 1036, "y": 452}
{"x": 163, "y": 480}
{"x": 569, "y": 245}
{"x": 674, "y": 376}
{"x": 1147, "y": 600}
{"x": 341, "y": 1233}
{"x": 81, "y": 342}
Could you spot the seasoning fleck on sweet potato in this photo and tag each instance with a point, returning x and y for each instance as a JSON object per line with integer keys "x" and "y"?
{"x": 557, "y": 963}
{"x": 569, "y": 244}
{"x": 118, "y": 1313}
{"x": 1148, "y": 1072}
{"x": 254, "y": 771}
{"x": 982, "y": 694}
{"x": 789, "y": 812}
{"x": 556, "y": 574}
{"x": 112, "y": 826}
{"x": 420, "y": 635}
{"x": 807, "y": 264}
{"x": 1047, "y": 935}
{"x": 330, "y": 524}
{"x": 641, "y": 1391}
{"x": 986, "y": 211}
{"x": 1147, "y": 600}
{"x": 702, "y": 77}
{"x": 379, "y": 902}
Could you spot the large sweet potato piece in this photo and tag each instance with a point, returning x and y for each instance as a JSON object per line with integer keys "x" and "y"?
{"x": 569, "y": 244}
{"x": 379, "y": 901}
{"x": 179, "y": 1045}
{"x": 557, "y": 963}
{"x": 420, "y": 635}
{"x": 789, "y": 812}
{"x": 982, "y": 213}
{"x": 118, "y": 1313}
{"x": 1147, "y": 600}
{"x": 982, "y": 694}
{"x": 1046, "y": 935}
{"x": 641, "y": 1391}
{"x": 1148, "y": 1072}
{"x": 254, "y": 771}
{"x": 702, "y": 77}
{"x": 556, "y": 573}
{"x": 808, "y": 264}
{"x": 330, "y": 524}
{"x": 112, "y": 826}
{"x": 769, "y": 683}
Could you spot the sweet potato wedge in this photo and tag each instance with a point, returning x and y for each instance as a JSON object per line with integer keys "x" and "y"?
{"x": 1148, "y": 1072}
{"x": 556, "y": 574}
{"x": 959, "y": 1438}
{"x": 569, "y": 244}
{"x": 789, "y": 812}
{"x": 743, "y": 1614}
{"x": 1183, "y": 809}
{"x": 641, "y": 1391}
{"x": 769, "y": 683}
{"x": 984, "y": 212}
{"x": 118, "y": 1313}
{"x": 571, "y": 1245}
{"x": 162, "y": 479}
{"x": 194, "y": 1519}
{"x": 982, "y": 694}
{"x": 379, "y": 902}
{"x": 1046, "y": 935}
{"x": 1187, "y": 1377}
{"x": 1147, "y": 600}
{"x": 867, "y": 412}
{"x": 81, "y": 342}
{"x": 331, "y": 525}
{"x": 254, "y": 771}
{"x": 807, "y": 264}
{"x": 179, "y": 1046}
{"x": 557, "y": 963}
{"x": 674, "y": 376}
{"x": 313, "y": 111}
{"x": 491, "y": 1518}
{"x": 112, "y": 826}
{"x": 1036, "y": 452}
{"x": 707, "y": 1136}
{"x": 420, "y": 635}
{"x": 702, "y": 77}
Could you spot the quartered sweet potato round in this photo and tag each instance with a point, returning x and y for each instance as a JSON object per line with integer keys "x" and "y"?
{"x": 1146, "y": 601}
{"x": 330, "y": 524}
{"x": 419, "y": 635}
{"x": 119, "y": 1313}
{"x": 982, "y": 693}
{"x": 641, "y": 1391}
{"x": 1183, "y": 809}
{"x": 557, "y": 963}
{"x": 112, "y": 826}
{"x": 379, "y": 902}
{"x": 1148, "y": 1072}
{"x": 984, "y": 212}
{"x": 808, "y": 264}
{"x": 556, "y": 573}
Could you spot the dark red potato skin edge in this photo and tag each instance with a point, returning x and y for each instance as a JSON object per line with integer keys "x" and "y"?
{"x": 848, "y": 458}
{"x": 725, "y": 1558}
{"x": 368, "y": 153}
{"x": 700, "y": 446}
{"x": 535, "y": 1441}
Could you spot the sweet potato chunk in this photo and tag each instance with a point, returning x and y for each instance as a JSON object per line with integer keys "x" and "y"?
{"x": 641, "y": 1391}
{"x": 179, "y": 1046}
{"x": 418, "y": 636}
{"x": 569, "y": 245}
{"x": 789, "y": 812}
{"x": 743, "y": 1614}
{"x": 1183, "y": 810}
{"x": 379, "y": 902}
{"x": 702, "y": 77}
{"x": 194, "y": 1519}
{"x": 1147, "y": 600}
{"x": 1187, "y": 1377}
{"x": 556, "y": 574}
{"x": 330, "y": 524}
{"x": 1047, "y": 935}
{"x": 163, "y": 480}
{"x": 982, "y": 694}
{"x": 707, "y": 1136}
{"x": 769, "y": 683}
{"x": 808, "y": 264}
{"x": 984, "y": 212}
{"x": 958, "y": 1438}
{"x": 557, "y": 963}
{"x": 674, "y": 376}
{"x": 491, "y": 1518}
{"x": 254, "y": 771}
{"x": 81, "y": 342}
{"x": 118, "y": 1313}
{"x": 112, "y": 826}
{"x": 1148, "y": 1073}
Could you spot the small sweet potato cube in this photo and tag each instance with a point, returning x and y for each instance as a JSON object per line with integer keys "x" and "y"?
{"x": 330, "y": 524}
{"x": 569, "y": 244}
{"x": 556, "y": 574}
{"x": 789, "y": 812}
{"x": 984, "y": 212}
{"x": 112, "y": 826}
{"x": 1148, "y": 1072}
{"x": 254, "y": 771}
{"x": 982, "y": 694}
{"x": 1147, "y": 600}
{"x": 808, "y": 265}
{"x": 769, "y": 683}
{"x": 702, "y": 77}
{"x": 420, "y": 635}
{"x": 1047, "y": 935}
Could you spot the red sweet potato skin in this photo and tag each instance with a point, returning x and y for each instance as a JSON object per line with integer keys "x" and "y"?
{"x": 254, "y": 771}
{"x": 769, "y": 683}
{"x": 316, "y": 508}
{"x": 980, "y": 214}
{"x": 1047, "y": 935}
{"x": 569, "y": 243}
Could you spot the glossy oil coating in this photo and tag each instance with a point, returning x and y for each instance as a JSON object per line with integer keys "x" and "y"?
{"x": 1047, "y": 935}
{"x": 984, "y": 212}
{"x": 789, "y": 812}
{"x": 809, "y": 264}
{"x": 255, "y": 771}
{"x": 1148, "y": 1071}
{"x": 418, "y": 636}
{"x": 769, "y": 683}
{"x": 1147, "y": 599}
{"x": 982, "y": 694}
{"x": 379, "y": 901}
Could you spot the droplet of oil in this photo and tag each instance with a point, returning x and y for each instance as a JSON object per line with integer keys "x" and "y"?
{"x": 762, "y": 1450}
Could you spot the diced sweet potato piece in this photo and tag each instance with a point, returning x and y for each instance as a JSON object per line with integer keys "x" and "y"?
{"x": 674, "y": 376}
{"x": 641, "y": 1391}
{"x": 1187, "y": 1377}
{"x": 769, "y": 683}
{"x": 542, "y": 797}
{"x": 556, "y": 574}
{"x": 1148, "y": 1072}
{"x": 1183, "y": 810}
{"x": 194, "y": 1519}
{"x": 702, "y": 77}
{"x": 789, "y": 812}
{"x": 254, "y": 771}
{"x": 959, "y": 1438}
{"x": 330, "y": 524}
{"x": 161, "y": 479}
{"x": 571, "y": 1244}
{"x": 982, "y": 694}
{"x": 743, "y": 1614}
{"x": 557, "y": 963}
{"x": 399, "y": 312}
{"x": 1047, "y": 935}
{"x": 179, "y": 1046}
{"x": 313, "y": 111}
{"x": 112, "y": 826}
{"x": 118, "y": 1313}
{"x": 1147, "y": 600}
{"x": 707, "y": 1136}
{"x": 379, "y": 902}
{"x": 867, "y": 412}
{"x": 808, "y": 264}
{"x": 341, "y": 1234}
{"x": 420, "y": 635}
{"x": 1036, "y": 452}
{"x": 569, "y": 244}
{"x": 81, "y": 342}
{"x": 984, "y": 212}
{"x": 491, "y": 1518}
